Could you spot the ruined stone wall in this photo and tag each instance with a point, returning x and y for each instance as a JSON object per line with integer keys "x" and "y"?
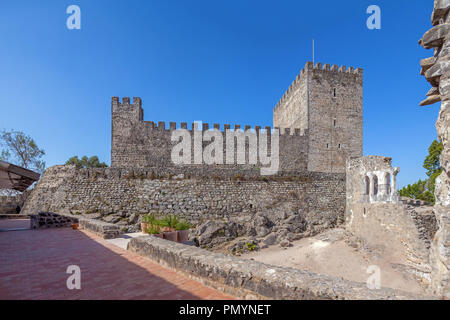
{"x": 384, "y": 223}
{"x": 327, "y": 102}
{"x": 120, "y": 195}
{"x": 142, "y": 144}
{"x": 393, "y": 231}
{"x": 436, "y": 70}
{"x": 370, "y": 179}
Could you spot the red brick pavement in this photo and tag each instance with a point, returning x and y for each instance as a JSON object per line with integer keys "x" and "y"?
{"x": 14, "y": 223}
{"x": 33, "y": 265}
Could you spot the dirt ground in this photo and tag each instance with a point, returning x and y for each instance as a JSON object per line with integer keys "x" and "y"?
{"x": 333, "y": 253}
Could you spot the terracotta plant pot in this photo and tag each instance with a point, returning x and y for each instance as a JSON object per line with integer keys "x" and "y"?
{"x": 167, "y": 229}
{"x": 144, "y": 226}
{"x": 75, "y": 226}
{"x": 158, "y": 235}
{"x": 183, "y": 236}
{"x": 171, "y": 235}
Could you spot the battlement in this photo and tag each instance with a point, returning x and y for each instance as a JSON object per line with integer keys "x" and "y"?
{"x": 309, "y": 66}
{"x": 333, "y": 68}
{"x": 138, "y": 143}
{"x": 161, "y": 126}
{"x": 137, "y": 102}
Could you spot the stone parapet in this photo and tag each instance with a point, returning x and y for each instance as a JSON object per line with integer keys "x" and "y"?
{"x": 44, "y": 220}
{"x": 55, "y": 220}
{"x": 100, "y": 228}
{"x": 255, "y": 280}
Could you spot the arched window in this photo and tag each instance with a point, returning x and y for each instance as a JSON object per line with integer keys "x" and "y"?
{"x": 375, "y": 185}
{"x": 388, "y": 183}
{"x": 366, "y": 185}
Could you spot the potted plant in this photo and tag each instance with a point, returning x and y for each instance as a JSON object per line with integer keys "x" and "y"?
{"x": 154, "y": 230}
{"x": 169, "y": 224}
{"x": 147, "y": 220}
{"x": 183, "y": 231}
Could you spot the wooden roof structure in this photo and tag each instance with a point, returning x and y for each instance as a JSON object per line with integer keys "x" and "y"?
{"x": 15, "y": 177}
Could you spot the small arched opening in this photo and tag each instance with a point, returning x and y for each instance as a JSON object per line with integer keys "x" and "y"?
{"x": 366, "y": 185}
{"x": 375, "y": 185}
{"x": 387, "y": 182}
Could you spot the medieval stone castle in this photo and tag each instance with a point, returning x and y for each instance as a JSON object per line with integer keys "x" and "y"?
{"x": 320, "y": 118}
{"x": 323, "y": 182}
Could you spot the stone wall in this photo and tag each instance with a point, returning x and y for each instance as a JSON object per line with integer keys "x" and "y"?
{"x": 12, "y": 204}
{"x": 120, "y": 195}
{"x": 394, "y": 231}
{"x": 376, "y": 216}
{"x": 247, "y": 279}
{"x": 45, "y": 220}
{"x": 327, "y": 103}
{"x": 436, "y": 70}
{"x": 143, "y": 144}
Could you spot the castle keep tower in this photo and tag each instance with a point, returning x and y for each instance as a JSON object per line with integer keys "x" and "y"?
{"x": 327, "y": 102}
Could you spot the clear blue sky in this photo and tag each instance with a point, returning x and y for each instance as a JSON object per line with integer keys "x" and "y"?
{"x": 215, "y": 61}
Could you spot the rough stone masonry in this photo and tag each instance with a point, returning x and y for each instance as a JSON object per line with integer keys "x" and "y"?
{"x": 120, "y": 195}
{"x": 436, "y": 70}
{"x": 326, "y": 100}
{"x": 320, "y": 118}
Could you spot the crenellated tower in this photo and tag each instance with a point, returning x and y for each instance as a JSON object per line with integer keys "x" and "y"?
{"x": 124, "y": 118}
{"x": 326, "y": 102}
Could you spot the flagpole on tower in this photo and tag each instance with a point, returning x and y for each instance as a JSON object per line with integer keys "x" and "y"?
{"x": 313, "y": 51}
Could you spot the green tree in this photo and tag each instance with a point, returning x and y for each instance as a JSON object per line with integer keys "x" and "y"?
{"x": 424, "y": 190}
{"x": 421, "y": 190}
{"x": 22, "y": 150}
{"x": 431, "y": 163}
{"x": 86, "y": 162}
